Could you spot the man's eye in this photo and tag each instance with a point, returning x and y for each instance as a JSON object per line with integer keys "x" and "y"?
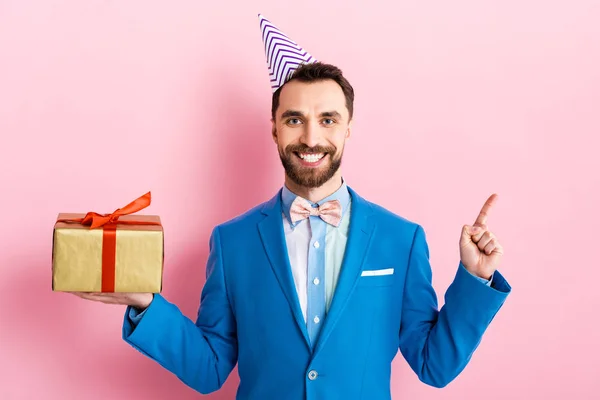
{"x": 293, "y": 121}
{"x": 328, "y": 121}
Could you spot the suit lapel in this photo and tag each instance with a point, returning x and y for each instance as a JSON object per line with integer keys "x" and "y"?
{"x": 273, "y": 239}
{"x": 360, "y": 232}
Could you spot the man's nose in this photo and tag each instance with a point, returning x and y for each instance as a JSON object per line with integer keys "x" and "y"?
{"x": 312, "y": 134}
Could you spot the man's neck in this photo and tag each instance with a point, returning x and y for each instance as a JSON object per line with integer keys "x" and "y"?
{"x": 315, "y": 194}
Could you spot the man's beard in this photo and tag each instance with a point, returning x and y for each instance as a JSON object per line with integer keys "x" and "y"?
{"x": 309, "y": 177}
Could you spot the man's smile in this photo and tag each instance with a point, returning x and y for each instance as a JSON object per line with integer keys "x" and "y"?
{"x": 311, "y": 159}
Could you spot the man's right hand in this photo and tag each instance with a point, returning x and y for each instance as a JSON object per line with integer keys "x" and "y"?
{"x": 140, "y": 301}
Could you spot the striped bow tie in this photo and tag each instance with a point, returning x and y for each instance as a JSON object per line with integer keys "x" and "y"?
{"x": 330, "y": 211}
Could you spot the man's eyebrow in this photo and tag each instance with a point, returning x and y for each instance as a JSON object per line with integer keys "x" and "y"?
{"x": 291, "y": 113}
{"x": 333, "y": 114}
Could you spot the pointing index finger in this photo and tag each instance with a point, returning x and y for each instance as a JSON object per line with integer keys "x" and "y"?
{"x": 483, "y": 214}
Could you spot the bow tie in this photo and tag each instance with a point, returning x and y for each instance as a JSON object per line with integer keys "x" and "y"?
{"x": 330, "y": 211}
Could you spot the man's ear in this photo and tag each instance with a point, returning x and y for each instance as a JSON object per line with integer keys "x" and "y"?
{"x": 349, "y": 130}
{"x": 273, "y": 131}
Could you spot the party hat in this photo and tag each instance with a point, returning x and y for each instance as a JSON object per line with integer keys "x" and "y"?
{"x": 284, "y": 55}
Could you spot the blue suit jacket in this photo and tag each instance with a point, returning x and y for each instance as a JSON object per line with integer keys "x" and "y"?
{"x": 250, "y": 314}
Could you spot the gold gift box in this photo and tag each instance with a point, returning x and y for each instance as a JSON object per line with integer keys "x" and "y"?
{"x": 77, "y": 255}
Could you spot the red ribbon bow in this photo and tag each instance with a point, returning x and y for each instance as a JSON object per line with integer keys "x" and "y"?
{"x": 95, "y": 220}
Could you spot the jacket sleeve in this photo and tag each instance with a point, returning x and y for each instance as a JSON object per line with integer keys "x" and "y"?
{"x": 200, "y": 354}
{"x": 439, "y": 344}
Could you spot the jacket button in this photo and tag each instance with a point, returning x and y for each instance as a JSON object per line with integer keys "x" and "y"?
{"x": 312, "y": 375}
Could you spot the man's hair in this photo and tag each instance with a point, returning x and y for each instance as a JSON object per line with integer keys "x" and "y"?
{"x": 314, "y": 72}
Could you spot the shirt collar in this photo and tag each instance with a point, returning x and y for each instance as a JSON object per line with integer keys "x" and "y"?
{"x": 287, "y": 198}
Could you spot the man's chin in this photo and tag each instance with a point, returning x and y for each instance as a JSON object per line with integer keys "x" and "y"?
{"x": 312, "y": 178}
{"x": 311, "y": 172}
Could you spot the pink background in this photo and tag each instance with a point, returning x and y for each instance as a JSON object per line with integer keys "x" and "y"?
{"x": 101, "y": 101}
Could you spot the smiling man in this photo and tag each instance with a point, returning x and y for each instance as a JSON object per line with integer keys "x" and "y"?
{"x": 315, "y": 291}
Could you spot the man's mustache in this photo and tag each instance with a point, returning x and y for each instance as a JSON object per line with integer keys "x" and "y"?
{"x": 302, "y": 148}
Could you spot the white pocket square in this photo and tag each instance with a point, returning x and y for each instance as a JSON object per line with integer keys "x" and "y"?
{"x": 378, "y": 272}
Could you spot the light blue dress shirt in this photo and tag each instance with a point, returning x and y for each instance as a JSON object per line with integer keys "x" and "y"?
{"x": 315, "y": 275}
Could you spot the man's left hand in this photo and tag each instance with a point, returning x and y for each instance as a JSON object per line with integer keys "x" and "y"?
{"x": 480, "y": 250}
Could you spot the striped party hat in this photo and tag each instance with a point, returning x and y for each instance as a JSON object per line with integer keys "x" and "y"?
{"x": 284, "y": 56}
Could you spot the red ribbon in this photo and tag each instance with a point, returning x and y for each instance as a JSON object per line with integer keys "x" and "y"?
{"x": 108, "y": 223}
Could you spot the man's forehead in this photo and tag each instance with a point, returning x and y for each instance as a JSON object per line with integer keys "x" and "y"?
{"x": 312, "y": 97}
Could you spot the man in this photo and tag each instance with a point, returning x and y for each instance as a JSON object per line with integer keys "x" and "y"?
{"x": 313, "y": 292}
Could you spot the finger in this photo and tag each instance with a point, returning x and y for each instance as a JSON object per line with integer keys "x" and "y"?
{"x": 465, "y": 235}
{"x": 498, "y": 249}
{"x": 490, "y": 247}
{"x": 85, "y": 295}
{"x": 485, "y": 239}
{"x": 480, "y": 232}
{"x": 108, "y": 298}
{"x": 483, "y": 214}
{"x": 82, "y": 294}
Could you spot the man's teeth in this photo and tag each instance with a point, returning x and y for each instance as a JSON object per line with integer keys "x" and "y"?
{"x": 312, "y": 157}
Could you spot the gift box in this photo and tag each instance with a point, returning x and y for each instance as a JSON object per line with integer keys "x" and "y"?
{"x": 115, "y": 252}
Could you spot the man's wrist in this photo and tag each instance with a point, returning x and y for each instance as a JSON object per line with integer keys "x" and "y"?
{"x": 144, "y": 303}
